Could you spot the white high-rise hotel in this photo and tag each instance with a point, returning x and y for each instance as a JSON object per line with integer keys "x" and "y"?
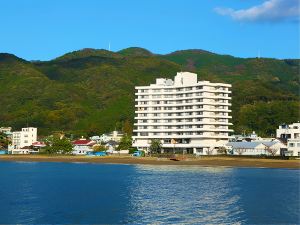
{"x": 183, "y": 114}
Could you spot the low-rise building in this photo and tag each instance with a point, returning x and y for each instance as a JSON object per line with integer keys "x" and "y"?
{"x": 288, "y": 131}
{"x": 246, "y": 148}
{"x": 22, "y": 140}
{"x": 274, "y": 148}
{"x": 111, "y": 145}
{"x": 115, "y": 136}
{"x": 5, "y": 129}
{"x": 293, "y": 147}
{"x": 82, "y": 146}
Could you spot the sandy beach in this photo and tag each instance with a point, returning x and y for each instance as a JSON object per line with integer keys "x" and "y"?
{"x": 203, "y": 161}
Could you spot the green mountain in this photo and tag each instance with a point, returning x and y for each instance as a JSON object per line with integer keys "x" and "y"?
{"x": 92, "y": 91}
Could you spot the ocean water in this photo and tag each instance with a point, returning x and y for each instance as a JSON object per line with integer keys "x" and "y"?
{"x": 82, "y": 193}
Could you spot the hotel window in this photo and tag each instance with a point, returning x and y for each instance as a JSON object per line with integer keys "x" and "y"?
{"x": 167, "y": 141}
{"x": 291, "y": 144}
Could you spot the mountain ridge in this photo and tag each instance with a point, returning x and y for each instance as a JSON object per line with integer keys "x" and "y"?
{"x": 91, "y": 91}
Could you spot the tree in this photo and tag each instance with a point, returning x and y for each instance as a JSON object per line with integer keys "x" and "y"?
{"x": 125, "y": 143}
{"x": 155, "y": 146}
{"x": 127, "y": 127}
{"x": 57, "y": 145}
{"x": 99, "y": 148}
{"x": 4, "y": 140}
{"x": 272, "y": 151}
{"x": 210, "y": 150}
{"x": 222, "y": 150}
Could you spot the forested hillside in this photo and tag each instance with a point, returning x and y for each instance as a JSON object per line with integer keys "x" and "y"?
{"x": 92, "y": 91}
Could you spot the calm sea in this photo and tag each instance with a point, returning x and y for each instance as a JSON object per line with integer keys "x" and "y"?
{"x": 79, "y": 193}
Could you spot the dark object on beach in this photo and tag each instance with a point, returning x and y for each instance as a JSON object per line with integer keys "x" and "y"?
{"x": 174, "y": 158}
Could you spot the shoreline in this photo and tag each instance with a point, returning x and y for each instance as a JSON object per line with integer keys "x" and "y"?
{"x": 203, "y": 161}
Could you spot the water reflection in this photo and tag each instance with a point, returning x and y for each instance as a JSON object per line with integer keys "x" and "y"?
{"x": 177, "y": 194}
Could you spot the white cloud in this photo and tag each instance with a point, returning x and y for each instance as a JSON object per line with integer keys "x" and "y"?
{"x": 269, "y": 11}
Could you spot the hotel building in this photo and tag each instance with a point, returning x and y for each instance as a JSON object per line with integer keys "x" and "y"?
{"x": 21, "y": 140}
{"x": 186, "y": 115}
{"x": 290, "y": 134}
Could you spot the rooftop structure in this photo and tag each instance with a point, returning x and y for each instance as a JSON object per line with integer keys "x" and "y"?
{"x": 184, "y": 114}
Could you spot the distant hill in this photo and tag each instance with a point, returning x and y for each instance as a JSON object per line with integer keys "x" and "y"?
{"x": 135, "y": 51}
{"x": 91, "y": 91}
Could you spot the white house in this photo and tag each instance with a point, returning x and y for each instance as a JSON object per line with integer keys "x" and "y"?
{"x": 22, "y": 140}
{"x": 104, "y": 138}
{"x": 256, "y": 148}
{"x": 115, "y": 136}
{"x": 6, "y": 130}
{"x": 293, "y": 147}
{"x": 82, "y": 146}
{"x": 184, "y": 114}
{"x": 246, "y": 148}
{"x": 291, "y": 131}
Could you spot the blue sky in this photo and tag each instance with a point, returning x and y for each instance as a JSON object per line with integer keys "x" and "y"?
{"x": 43, "y": 30}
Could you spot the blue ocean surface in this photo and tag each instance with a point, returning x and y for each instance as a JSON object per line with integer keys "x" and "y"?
{"x": 83, "y": 193}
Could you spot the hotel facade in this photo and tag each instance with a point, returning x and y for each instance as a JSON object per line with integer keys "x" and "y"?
{"x": 21, "y": 140}
{"x": 186, "y": 115}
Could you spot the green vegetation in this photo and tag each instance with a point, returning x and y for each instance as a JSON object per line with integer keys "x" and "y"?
{"x": 4, "y": 141}
{"x": 56, "y": 145}
{"x": 125, "y": 142}
{"x": 99, "y": 148}
{"x": 92, "y": 91}
{"x": 155, "y": 146}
